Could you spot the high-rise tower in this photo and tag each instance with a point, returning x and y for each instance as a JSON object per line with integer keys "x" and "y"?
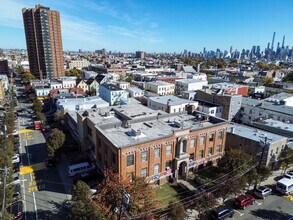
{"x": 273, "y": 41}
{"x": 44, "y": 42}
{"x": 283, "y": 42}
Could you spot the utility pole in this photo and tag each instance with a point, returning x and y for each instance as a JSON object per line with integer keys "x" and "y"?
{"x": 4, "y": 191}
{"x": 263, "y": 144}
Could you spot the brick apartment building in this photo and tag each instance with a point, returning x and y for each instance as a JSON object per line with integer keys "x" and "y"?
{"x": 44, "y": 42}
{"x": 137, "y": 141}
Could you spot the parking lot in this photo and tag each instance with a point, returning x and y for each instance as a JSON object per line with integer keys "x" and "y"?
{"x": 273, "y": 207}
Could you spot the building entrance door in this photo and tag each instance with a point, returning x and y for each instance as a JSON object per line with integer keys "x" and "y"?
{"x": 182, "y": 170}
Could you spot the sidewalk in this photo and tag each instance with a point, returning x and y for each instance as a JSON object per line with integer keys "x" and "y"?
{"x": 271, "y": 180}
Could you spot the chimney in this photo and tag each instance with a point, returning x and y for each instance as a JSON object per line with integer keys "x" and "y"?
{"x": 232, "y": 130}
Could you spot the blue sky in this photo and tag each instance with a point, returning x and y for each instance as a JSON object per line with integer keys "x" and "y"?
{"x": 157, "y": 25}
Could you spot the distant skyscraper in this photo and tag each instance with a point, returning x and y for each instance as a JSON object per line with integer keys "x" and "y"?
{"x": 268, "y": 47}
{"x": 283, "y": 42}
{"x": 44, "y": 42}
{"x": 140, "y": 54}
{"x": 273, "y": 41}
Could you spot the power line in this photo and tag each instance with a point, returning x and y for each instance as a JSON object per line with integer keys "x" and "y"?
{"x": 212, "y": 189}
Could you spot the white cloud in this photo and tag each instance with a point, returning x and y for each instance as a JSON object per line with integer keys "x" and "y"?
{"x": 81, "y": 31}
{"x": 10, "y": 14}
{"x": 138, "y": 34}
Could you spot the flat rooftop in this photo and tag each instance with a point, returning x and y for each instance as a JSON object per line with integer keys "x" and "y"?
{"x": 253, "y": 133}
{"x": 128, "y": 125}
{"x": 159, "y": 83}
{"x": 171, "y": 99}
{"x": 190, "y": 81}
{"x": 279, "y": 97}
{"x": 265, "y": 105}
{"x": 225, "y": 85}
{"x": 277, "y": 124}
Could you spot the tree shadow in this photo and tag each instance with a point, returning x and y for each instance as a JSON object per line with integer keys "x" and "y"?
{"x": 269, "y": 214}
{"x": 60, "y": 212}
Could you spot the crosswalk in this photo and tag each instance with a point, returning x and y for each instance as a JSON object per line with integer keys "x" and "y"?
{"x": 23, "y": 131}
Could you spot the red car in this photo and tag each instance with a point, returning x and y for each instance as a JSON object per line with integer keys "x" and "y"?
{"x": 244, "y": 200}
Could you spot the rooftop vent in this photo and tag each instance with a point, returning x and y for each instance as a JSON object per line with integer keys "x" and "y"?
{"x": 136, "y": 132}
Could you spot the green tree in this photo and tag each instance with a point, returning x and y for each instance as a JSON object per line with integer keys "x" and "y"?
{"x": 82, "y": 207}
{"x": 286, "y": 158}
{"x": 74, "y": 72}
{"x": 59, "y": 115}
{"x": 267, "y": 80}
{"x": 91, "y": 92}
{"x": 42, "y": 117}
{"x": 288, "y": 77}
{"x": 236, "y": 160}
{"x": 263, "y": 174}
{"x": 55, "y": 141}
{"x": 177, "y": 211}
{"x": 228, "y": 185}
{"x": 37, "y": 106}
{"x": 262, "y": 65}
{"x": 26, "y": 77}
{"x": 205, "y": 202}
{"x": 251, "y": 176}
{"x": 20, "y": 70}
{"x": 129, "y": 78}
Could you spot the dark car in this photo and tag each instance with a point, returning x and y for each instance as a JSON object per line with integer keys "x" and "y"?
{"x": 244, "y": 200}
{"x": 17, "y": 194}
{"x": 16, "y": 209}
{"x": 16, "y": 167}
{"x": 222, "y": 212}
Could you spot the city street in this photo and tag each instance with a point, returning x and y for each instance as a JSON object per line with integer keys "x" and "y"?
{"x": 43, "y": 191}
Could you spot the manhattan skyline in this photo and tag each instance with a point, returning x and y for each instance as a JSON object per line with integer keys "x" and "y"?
{"x": 157, "y": 26}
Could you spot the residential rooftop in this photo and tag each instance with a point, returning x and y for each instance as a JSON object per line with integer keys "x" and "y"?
{"x": 159, "y": 83}
{"x": 266, "y": 105}
{"x": 253, "y": 133}
{"x": 190, "y": 80}
{"x": 137, "y": 124}
{"x": 225, "y": 86}
{"x": 277, "y": 124}
{"x": 171, "y": 99}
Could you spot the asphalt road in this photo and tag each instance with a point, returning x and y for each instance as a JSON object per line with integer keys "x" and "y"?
{"x": 43, "y": 191}
{"x": 274, "y": 207}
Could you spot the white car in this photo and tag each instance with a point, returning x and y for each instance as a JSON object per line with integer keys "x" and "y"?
{"x": 15, "y": 158}
{"x": 15, "y": 131}
{"x": 263, "y": 192}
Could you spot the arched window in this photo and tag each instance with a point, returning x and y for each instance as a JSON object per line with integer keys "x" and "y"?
{"x": 184, "y": 146}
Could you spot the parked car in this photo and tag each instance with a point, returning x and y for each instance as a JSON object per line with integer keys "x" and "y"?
{"x": 289, "y": 175}
{"x": 263, "y": 192}
{"x": 15, "y": 158}
{"x": 222, "y": 212}
{"x": 16, "y": 167}
{"x": 244, "y": 200}
{"x": 17, "y": 194}
{"x": 16, "y": 209}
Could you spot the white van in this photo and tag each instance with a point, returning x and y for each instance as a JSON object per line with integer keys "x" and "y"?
{"x": 285, "y": 186}
{"x": 80, "y": 168}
